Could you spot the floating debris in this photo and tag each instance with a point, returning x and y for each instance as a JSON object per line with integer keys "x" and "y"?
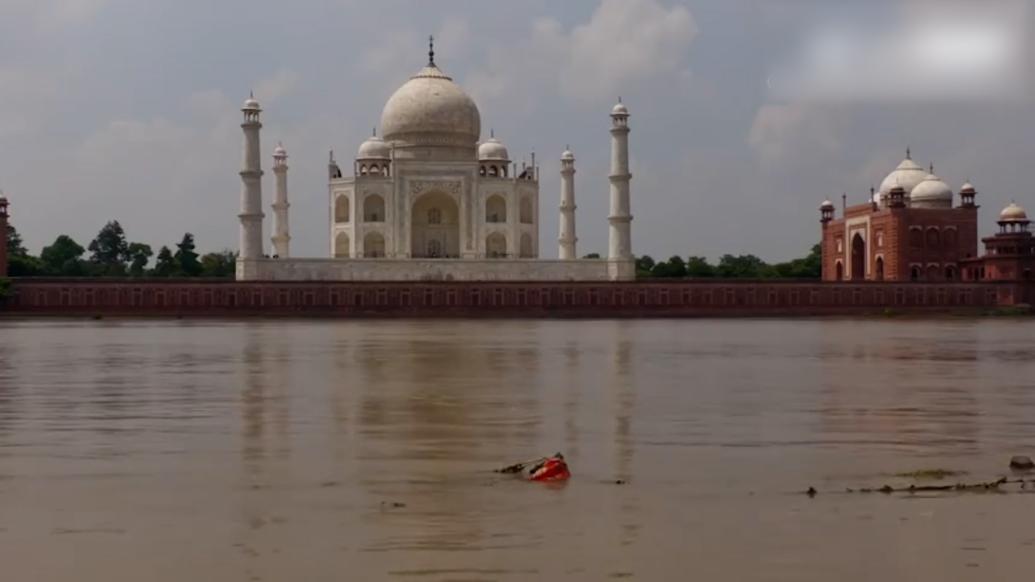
{"x": 553, "y": 468}
{"x": 1022, "y": 463}
{"x": 997, "y": 485}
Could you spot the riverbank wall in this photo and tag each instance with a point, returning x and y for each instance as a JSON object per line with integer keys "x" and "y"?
{"x": 711, "y": 298}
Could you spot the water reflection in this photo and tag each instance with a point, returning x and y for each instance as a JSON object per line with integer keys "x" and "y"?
{"x": 363, "y": 450}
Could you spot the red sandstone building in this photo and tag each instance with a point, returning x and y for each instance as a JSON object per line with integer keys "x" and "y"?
{"x": 1009, "y": 254}
{"x": 911, "y": 230}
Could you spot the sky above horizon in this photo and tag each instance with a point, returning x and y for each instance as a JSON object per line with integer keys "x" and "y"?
{"x": 746, "y": 114}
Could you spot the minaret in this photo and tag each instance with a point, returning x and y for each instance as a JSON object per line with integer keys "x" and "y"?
{"x": 3, "y": 235}
{"x": 251, "y": 190}
{"x": 281, "y": 229}
{"x": 622, "y": 263}
{"x": 567, "y": 236}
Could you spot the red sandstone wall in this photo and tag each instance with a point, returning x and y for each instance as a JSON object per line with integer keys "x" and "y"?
{"x": 645, "y": 299}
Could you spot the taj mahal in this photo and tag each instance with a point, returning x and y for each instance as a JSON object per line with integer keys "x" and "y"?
{"x": 429, "y": 200}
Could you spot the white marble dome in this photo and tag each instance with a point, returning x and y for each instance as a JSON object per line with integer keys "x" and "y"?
{"x": 568, "y": 155}
{"x": 493, "y": 149}
{"x": 931, "y": 192}
{"x": 374, "y": 148}
{"x": 430, "y": 109}
{"x": 279, "y": 151}
{"x": 251, "y": 104}
{"x": 908, "y": 174}
{"x": 1013, "y": 213}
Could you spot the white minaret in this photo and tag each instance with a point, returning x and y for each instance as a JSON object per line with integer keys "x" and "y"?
{"x": 281, "y": 229}
{"x": 622, "y": 263}
{"x": 251, "y": 178}
{"x": 567, "y": 239}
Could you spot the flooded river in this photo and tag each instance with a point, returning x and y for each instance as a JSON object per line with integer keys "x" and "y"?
{"x": 328, "y": 450}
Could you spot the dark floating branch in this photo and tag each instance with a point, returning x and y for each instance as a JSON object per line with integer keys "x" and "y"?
{"x": 997, "y": 485}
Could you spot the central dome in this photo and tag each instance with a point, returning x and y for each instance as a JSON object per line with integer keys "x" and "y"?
{"x": 908, "y": 175}
{"x": 431, "y": 110}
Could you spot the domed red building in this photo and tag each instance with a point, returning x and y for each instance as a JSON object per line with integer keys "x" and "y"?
{"x": 912, "y": 229}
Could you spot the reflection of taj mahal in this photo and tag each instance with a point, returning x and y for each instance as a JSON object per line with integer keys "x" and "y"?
{"x": 427, "y": 201}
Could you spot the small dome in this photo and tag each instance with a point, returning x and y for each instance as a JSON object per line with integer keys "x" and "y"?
{"x": 431, "y": 110}
{"x": 374, "y": 148}
{"x": 931, "y": 192}
{"x": 968, "y": 188}
{"x": 827, "y": 205}
{"x": 493, "y": 149}
{"x": 568, "y": 156}
{"x": 3, "y": 197}
{"x": 1013, "y": 213}
{"x": 908, "y": 175}
{"x": 279, "y": 151}
{"x": 251, "y": 104}
{"x": 620, "y": 109}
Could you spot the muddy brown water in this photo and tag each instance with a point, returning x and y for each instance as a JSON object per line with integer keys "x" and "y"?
{"x": 309, "y": 450}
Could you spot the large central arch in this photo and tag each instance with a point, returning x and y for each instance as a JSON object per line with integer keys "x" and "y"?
{"x": 858, "y": 258}
{"x": 435, "y": 227}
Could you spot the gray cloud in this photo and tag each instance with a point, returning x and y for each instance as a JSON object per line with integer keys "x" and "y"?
{"x": 129, "y": 110}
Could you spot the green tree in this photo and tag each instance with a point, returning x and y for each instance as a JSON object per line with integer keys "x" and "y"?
{"x": 644, "y": 265}
{"x": 138, "y": 254}
{"x": 19, "y": 262}
{"x": 219, "y": 265}
{"x": 63, "y": 258}
{"x": 165, "y": 264}
{"x": 699, "y": 267}
{"x": 743, "y": 267}
{"x": 5, "y": 290}
{"x": 15, "y": 245}
{"x": 186, "y": 259}
{"x": 110, "y": 250}
{"x": 808, "y": 267}
{"x": 674, "y": 268}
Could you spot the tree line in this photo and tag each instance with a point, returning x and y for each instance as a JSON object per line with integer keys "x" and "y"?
{"x": 111, "y": 254}
{"x": 731, "y": 267}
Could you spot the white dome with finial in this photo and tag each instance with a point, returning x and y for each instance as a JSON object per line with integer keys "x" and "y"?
{"x": 374, "y": 148}
{"x": 251, "y": 104}
{"x": 493, "y": 149}
{"x": 1013, "y": 213}
{"x": 827, "y": 205}
{"x": 620, "y": 109}
{"x": 931, "y": 192}
{"x": 908, "y": 174}
{"x": 431, "y": 110}
{"x": 567, "y": 155}
{"x": 968, "y": 188}
{"x": 279, "y": 151}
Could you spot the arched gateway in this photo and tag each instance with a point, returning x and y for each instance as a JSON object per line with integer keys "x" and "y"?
{"x": 435, "y": 229}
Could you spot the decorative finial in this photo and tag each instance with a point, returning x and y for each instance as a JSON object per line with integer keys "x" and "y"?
{"x": 619, "y": 98}
{"x": 332, "y": 157}
{"x": 932, "y": 167}
{"x": 431, "y": 51}
{"x": 492, "y": 133}
{"x": 374, "y": 131}
{"x": 909, "y": 153}
{"x": 567, "y": 147}
{"x": 251, "y": 94}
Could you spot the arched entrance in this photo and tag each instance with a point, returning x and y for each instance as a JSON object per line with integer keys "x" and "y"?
{"x": 435, "y": 227}
{"x": 840, "y": 271}
{"x": 374, "y": 245}
{"x": 858, "y": 258}
{"x": 342, "y": 248}
{"x": 526, "y": 247}
{"x": 496, "y": 246}
{"x": 880, "y": 268}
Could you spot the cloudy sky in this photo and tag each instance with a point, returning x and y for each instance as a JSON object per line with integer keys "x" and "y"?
{"x": 746, "y": 113}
